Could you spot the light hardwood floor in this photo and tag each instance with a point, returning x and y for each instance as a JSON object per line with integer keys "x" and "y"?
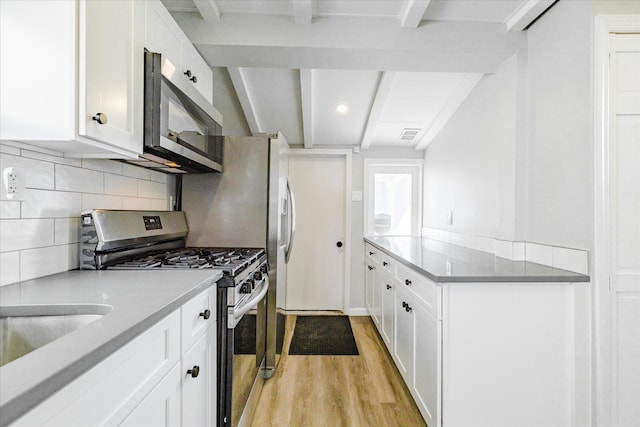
{"x": 364, "y": 390}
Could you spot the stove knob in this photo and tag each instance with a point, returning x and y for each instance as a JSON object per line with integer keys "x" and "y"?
{"x": 257, "y": 276}
{"x": 264, "y": 268}
{"x": 247, "y": 287}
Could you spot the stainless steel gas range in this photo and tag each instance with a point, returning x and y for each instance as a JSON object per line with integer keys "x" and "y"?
{"x": 155, "y": 240}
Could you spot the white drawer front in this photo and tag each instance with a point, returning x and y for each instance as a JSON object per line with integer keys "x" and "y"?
{"x": 372, "y": 252}
{"x": 194, "y": 317}
{"x": 423, "y": 288}
{"x": 388, "y": 264}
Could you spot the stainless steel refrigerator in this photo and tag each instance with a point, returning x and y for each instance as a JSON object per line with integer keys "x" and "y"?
{"x": 249, "y": 204}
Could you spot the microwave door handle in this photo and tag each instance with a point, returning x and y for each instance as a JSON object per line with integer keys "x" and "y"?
{"x": 292, "y": 229}
{"x": 236, "y": 315}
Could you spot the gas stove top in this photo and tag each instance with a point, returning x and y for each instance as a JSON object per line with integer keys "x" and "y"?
{"x": 232, "y": 261}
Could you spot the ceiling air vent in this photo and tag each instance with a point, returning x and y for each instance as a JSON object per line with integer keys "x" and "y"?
{"x": 409, "y": 134}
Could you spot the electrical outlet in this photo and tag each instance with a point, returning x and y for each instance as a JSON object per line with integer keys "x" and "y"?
{"x": 13, "y": 184}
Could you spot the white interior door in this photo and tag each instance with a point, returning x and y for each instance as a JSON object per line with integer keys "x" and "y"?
{"x": 624, "y": 209}
{"x": 315, "y": 273}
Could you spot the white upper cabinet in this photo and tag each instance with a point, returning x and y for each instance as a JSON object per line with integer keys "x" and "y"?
{"x": 64, "y": 63}
{"x": 164, "y": 36}
{"x": 111, "y": 55}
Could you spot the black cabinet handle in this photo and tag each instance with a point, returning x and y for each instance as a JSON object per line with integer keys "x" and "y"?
{"x": 407, "y": 282}
{"x": 101, "y": 118}
{"x": 408, "y": 308}
{"x": 188, "y": 74}
{"x": 388, "y": 287}
{"x": 194, "y": 79}
{"x": 385, "y": 263}
{"x": 369, "y": 267}
{"x": 194, "y": 372}
{"x": 206, "y": 314}
{"x": 404, "y": 304}
{"x": 371, "y": 253}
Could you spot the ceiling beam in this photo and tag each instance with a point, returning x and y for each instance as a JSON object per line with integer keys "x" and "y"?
{"x": 412, "y": 12}
{"x": 527, "y": 13}
{"x": 461, "y": 92}
{"x": 306, "y": 99}
{"x": 303, "y": 11}
{"x": 349, "y": 43}
{"x": 246, "y": 98}
{"x": 382, "y": 93}
{"x": 208, "y": 9}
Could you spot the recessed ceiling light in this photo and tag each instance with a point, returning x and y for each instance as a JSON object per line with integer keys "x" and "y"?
{"x": 342, "y": 108}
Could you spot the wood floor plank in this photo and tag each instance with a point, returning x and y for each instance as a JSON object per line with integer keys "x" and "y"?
{"x": 350, "y": 391}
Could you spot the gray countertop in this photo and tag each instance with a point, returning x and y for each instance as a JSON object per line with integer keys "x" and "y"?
{"x": 445, "y": 263}
{"x": 138, "y": 300}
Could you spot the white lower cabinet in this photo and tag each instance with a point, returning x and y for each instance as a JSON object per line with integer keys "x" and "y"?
{"x": 369, "y": 279}
{"x": 403, "y": 346}
{"x": 481, "y": 353}
{"x": 427, "y": 377}
{"x": 161, "y": 407}
{"x": 149, "y": 381}
{"x": 199, "y": 382}
{"x": 388, "y": 313}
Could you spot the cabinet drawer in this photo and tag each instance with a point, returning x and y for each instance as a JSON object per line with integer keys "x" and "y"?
{"x": 388, "y": 264}
{"x": 372, "y": 252}
{"x": 198, "y": 315}
{"x": 423, "y": 288}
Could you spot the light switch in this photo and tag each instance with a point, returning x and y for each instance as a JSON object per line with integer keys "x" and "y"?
{"x": 356, "y": 196}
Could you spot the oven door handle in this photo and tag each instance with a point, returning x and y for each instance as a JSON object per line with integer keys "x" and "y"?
{"x": 235, "y": 315}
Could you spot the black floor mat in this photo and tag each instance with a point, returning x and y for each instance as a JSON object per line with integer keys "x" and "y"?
{"x": 323, "y": 336}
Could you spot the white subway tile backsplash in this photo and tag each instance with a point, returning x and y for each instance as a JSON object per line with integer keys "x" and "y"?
{"x": 51, "y": 157}
{"x": 51, "y": 204}
{"x": 19, "y": 234}
{"x": 139, "y": 204}
{"x": 38, "y": 174}
{"x": 45, "y": 261}
{"x": 39, "y": 235}
{"x": 67, "y": 230}
{"x": 152, "y": 190}
{"x": 9, "y": 209}
{"x": 9, "y": 267}
{"x": 518, "y": 251}
{"x": 158, "y": 177}
{"x": 503, "y": 249}
{"x": 120, "y": 185}
{"x": 7, "y": 149}
{"x": 101, "y": 201}
{"x": 109, "y": 166}
{"x": 136, "y": 172}
{"x": 571, "y": 259}
{"x": 70, "y": 178}
{"x": 540, "y": 254}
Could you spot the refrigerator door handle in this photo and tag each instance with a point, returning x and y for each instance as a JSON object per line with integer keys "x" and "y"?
{"x": 292, "y": 229}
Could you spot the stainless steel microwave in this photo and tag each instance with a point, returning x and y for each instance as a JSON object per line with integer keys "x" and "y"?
{"x": 179, "y": 130}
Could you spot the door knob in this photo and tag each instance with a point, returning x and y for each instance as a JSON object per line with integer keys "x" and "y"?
{"x": 194, "y": 372}
{"x": 339, "y": 244}
{"x": 101, "y": 118}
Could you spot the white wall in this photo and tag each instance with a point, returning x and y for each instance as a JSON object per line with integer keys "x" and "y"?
{"x": 39, "y": 236}
{"x": 515, "y": 161}
{"x": 559, "y": 182}
{"x": 226, "y": 102}
{"x": 470, "y": 165}
{"x": 357, "y": 214}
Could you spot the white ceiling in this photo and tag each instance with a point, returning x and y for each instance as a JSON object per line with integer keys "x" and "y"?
{"x": 400, "y": 65}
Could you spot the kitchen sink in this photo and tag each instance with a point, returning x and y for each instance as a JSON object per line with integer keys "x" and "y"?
{"x": 24, "y": 328}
